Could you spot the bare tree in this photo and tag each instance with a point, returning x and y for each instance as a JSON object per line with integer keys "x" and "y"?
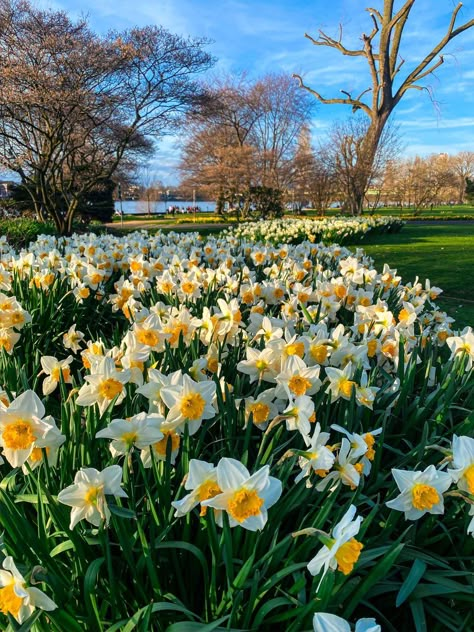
{"x": 381, "y": 50}
{"x": 75, "y": 106}
{"x": 244, "y": 137}
{"x": 345, "y": 153}
{"x": 421, "y": 182}
{"x": 282, "y": 114}
{"x": 463, "y": 168}
{"x": 314, "y": 180}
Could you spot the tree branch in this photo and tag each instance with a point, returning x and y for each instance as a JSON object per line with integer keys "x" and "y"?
{"x": 325, "y": 40}
{"x": 355, "y": 103}
{"x": 421, "y": 70}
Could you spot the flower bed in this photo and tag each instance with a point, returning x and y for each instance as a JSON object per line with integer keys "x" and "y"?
{"x": 341, "y": 230}
{"x": 219, "y": 431}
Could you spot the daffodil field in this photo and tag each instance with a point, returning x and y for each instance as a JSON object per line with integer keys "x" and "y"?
{"x": 230, "y": 434}
{"x": 340, "y": 230}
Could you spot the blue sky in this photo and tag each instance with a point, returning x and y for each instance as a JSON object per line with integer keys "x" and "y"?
{"x": 259, "y": 36}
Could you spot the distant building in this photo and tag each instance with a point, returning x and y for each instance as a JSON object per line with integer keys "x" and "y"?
{"x": 131, "y": 192}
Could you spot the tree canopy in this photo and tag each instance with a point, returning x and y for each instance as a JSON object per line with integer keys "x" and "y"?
{"x": 75, "y": 106}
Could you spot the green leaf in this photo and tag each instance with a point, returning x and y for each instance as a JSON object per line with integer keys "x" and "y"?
{"x": 122, "y": 512}
{"x": 378, "y": 571}
{"x": 161, "y": 606}
{"x": 416, "y": 573}
{"x": 418, "y": 614}
{"x": 200, "y": 627}
{"x": 269, "y": 606}
{"x": 61, "y": 548}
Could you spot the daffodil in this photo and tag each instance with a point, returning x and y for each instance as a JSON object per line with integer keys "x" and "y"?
{"x": 105, "y": 385}
{"x": 21, "y": 426}
{"x": 297, "y": 379}
{"x": 325, "y": 622}
{"x": 299, "y": 414}
{"x": 155, "y": 384}
{"x": 245, "y": 497}
{"x": 201, "y": 481}
{"x": 317, "y": 457}
{"x": 340, "y": 382}
{"x": 261, "y": 409}
{"x": 463, "y": 345}
{"x": 260, "y": 365}
{"x": 344, "y": 470}
{"x": 48, "y": 445}
{"x": 189, "y": 403}
{"x": 72, "y": 339}
{"x": 361, "y": 445}
{"x": 87, "y": 496}
{"x": 421, "y": 492}
{"x": 17, "y": 598}
{"x": 462, "y": 466}
{"x": 140, "y": 431}
{"x": 170, "y": 442}
{"x": 55, "y": 370}
{"x": 341, "y": 550}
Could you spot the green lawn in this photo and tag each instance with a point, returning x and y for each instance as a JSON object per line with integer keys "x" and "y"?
{"x": 442, "y": 253}
{"x": 437, "y": 212}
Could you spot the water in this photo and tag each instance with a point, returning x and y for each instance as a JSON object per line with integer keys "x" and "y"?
{"x": 134, "y": 207}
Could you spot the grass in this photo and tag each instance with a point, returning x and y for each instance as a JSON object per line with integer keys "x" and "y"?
{"x": 437, "y": 212}
{"x": 442, "y": 253}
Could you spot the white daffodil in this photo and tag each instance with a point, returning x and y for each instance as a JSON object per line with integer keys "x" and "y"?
{"x": 361, "y": 445}
{"x": 21, "y": 426}
{"x": 189, "y": 403}
{"x": 299, "y": 414}
{"x": 170, "y": 442}
{"x": 463, "y": 463}
{"x": 50, "y": 443}
{"x": 296, "y": 379}
{"x": 72, "y": 339}
{"x": 263, "y": 409}
{"x": 156, "y": 382}
{"x": 317, "y": 458}
{"x": 105, "y": 385}
{"x": 246, "y": 498}
{"x": 16, "y": 597}
{"x": 344, "y": 471}
{"x": 340, "y": 382}
{"x": 141, "y": 431}
{"x": 202, "y": 483}
{"x": 87, "y": 496}
{"x": 54, "y": 370}
{"x": 421, "y": 492}
{"x": 260, "y": 365}
{"x": 268, "y": 329}
{"x": 463, "y": 344}
{"x": 341, "y": 550}
{"x": 325, "y": 622}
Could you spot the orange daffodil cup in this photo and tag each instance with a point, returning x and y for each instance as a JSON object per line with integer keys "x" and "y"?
{"x": 420, "y": 492}
{"x": 24, "y": 430}
{"x": 231, "y": 488}
{"x": 16, "y": 597}
{"x": 341, "y": 550}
